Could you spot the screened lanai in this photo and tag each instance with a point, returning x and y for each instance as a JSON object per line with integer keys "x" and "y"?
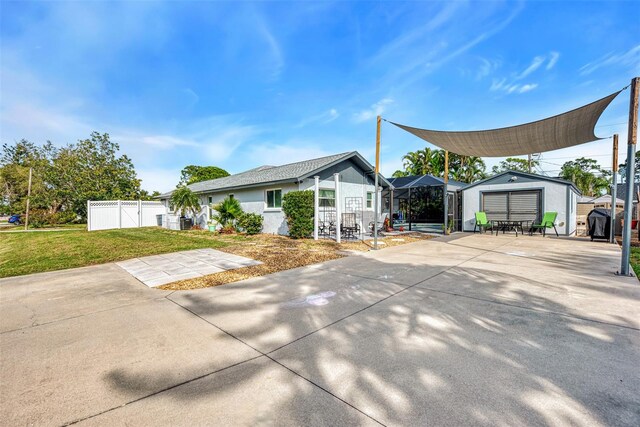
{"x": 418, "y": 203}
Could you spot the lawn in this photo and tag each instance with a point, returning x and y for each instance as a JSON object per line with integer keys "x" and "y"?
{"x": 635, "y": 260}
{"x": 33, "y": 252}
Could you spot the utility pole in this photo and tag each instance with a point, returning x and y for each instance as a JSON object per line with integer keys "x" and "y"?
{"x": 529, "y": 162}
{"x": 26, "y": 221}
{"x": 631, "y": 154}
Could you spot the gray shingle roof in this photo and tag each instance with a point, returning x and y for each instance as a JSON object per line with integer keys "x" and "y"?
{"x": 267, "y": 174}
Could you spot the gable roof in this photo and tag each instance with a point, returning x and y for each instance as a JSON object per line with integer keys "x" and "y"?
{"x": 266, "y": 175}
{"x": 532, "y": 176}
{"x": 422, "y": 181}
{"x": 621, "y": 191}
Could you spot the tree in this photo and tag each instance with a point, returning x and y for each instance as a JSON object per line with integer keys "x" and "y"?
{"x": 622, "y": 169}
{"x": 431, "y": 162}
{"x": 466, "y": 168}
{"x": 192, "y": 174}
{"x": 514, "y": 164}
{"x": 587, "y": 175}
{"x": 65, "y": 178}
{"x": 92, "y": 170}
{"x": 184, "y": 200}
{"x": 227, "y": 211}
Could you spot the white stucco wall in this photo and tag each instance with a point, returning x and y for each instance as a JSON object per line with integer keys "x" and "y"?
{"x": 348, "y": 189}
{"x": 554, "y": 198}
{"x": 254, "y": 200}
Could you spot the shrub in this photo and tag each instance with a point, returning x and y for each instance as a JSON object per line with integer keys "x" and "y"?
{"x": 250, "y": 223}
{"x": 66, "y": 217}
{"x": 298, "y": 209}
{"x": 227, "y": 229}
{"x": 228, "y": 211}
{"x": 39, "y": 218}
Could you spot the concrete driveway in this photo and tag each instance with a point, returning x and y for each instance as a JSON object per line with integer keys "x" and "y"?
{"x": 479, "y": 330}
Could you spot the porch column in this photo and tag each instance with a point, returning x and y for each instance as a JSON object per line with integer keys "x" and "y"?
{"x": 316, "y": 206}
{"x": 391, "y": 205}
{"x": 336, "y": 180}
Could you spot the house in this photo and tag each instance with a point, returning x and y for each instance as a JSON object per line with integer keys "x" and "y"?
{"x": 260, "y": 190}
{"x": 515, "y": 195}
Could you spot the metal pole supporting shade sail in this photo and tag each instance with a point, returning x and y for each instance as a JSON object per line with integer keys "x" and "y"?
{"x": 564, "y": 130}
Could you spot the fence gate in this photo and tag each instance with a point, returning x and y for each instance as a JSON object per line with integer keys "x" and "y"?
{"x": 110, "y": 214}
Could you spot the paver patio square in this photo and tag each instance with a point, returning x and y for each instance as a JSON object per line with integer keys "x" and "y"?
{"x": 84, "y": 365}
{"x": 158, "y": 270}
{"x": 426, "y": 358}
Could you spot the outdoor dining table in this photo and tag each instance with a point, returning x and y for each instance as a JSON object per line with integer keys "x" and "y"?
{"x": 509, "y": 225}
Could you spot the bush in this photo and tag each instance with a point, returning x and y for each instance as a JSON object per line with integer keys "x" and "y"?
{"x": 298, "y": 209}
{"x": 66, "y": 217}
{"x": 39, "y": 218}
{"x": 250, "y": 223}
{"x": 228, "y": 211}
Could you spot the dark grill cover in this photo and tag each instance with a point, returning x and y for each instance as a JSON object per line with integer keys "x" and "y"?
{"x": 599, "y": 221}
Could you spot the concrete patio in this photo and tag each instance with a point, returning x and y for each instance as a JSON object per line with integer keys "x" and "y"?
{"x": 481, "y": 330}
{"x": 158, "y": 270}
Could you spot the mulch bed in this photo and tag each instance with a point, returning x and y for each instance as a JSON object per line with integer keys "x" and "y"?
{"x": 279, "y": 253}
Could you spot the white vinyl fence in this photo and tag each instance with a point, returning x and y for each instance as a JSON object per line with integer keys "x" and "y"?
{"x": 108, "y": 214}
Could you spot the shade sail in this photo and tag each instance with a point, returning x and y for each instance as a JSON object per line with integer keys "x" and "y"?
{"x": 561, "y": 131}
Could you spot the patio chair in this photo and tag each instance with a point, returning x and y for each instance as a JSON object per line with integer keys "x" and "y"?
{"x": 548, "y": 221}
{"x": 379, "y": 224}
{"x": 482, "y": 223}
{"x": 349, "y": 226}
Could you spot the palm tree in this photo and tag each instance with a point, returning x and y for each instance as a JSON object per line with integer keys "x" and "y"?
{"x": 228, "y": 211}
{"x": 185, "y": 200}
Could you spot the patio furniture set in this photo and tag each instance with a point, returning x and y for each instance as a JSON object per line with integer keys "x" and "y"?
{"x": 484, "y": 224}
{"x": 349, "y": 227}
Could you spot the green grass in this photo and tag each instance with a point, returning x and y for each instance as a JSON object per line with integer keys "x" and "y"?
{"x": 34, "y": 252}
{"x": 635, "y": 260}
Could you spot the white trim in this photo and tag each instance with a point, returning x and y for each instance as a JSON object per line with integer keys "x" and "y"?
{"x": 266, "y": 200}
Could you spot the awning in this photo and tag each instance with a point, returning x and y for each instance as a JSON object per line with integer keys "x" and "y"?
{"x": 564, "y": 130}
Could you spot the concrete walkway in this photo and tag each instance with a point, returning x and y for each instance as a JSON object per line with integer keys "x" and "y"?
{"x": 480, "y": 330}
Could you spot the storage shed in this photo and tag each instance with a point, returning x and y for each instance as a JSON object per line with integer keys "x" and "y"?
{"x": 522, "y": 196}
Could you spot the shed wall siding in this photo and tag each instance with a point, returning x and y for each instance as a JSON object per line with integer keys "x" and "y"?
{"x": 554, "y": 198}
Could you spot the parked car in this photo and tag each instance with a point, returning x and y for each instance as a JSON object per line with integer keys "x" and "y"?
{"x": 15, "y": 219}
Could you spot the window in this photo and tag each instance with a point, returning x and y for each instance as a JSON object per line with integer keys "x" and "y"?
{"x": 274, "y": 199}
{"x": 210, "y": 206}
{"x": 231, "y": 196}
{"x": 369, "y": 200}
{"x": 327, "y": 198}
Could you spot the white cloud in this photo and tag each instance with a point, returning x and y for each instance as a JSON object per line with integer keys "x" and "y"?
{"x": 553, "y": 60}
{"x": 535, "y": 64}
{"x": 486, "y": 68}
{"x": 322, "y": 118}
{"x": 527, "y": 87}
{"x": 158, "y": 179}
{"x": 376, "y": 110}
{"x": 289, "y": 152}
{"x": 628, "y": 58}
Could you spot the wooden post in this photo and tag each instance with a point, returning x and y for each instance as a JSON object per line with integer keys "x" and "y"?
{"x": 614, "y": 188}
{"x": 446, "y": 193}
{"x": 529, "y": 162}
{"x": 632, "y": 139}
{"x": 26, "y": 220}
{"x": 376, "y": 198}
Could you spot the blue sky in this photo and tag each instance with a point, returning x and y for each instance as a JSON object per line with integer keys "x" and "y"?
{"x": 242, "y": 84}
